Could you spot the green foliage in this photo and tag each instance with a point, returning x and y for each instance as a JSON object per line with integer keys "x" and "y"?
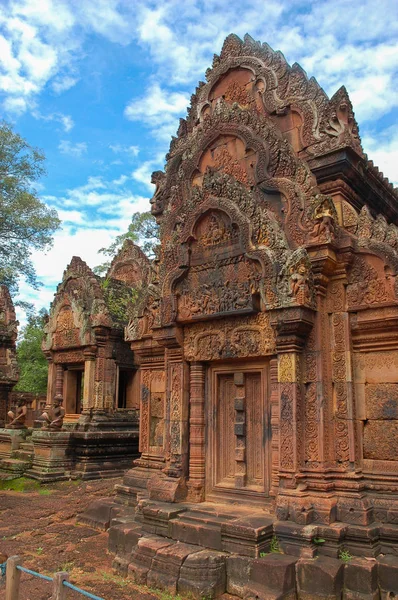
{"x": 345, "y": 556}
{"x": 21, "y": 484}
{"x": 26, "y": 224}
{"x": 31, "y": 360}
{"x": 143, "y": 231}
{"x": 119, "y": 299}
{"x": 318, "y": 541}
{"x": 274, "y": 545}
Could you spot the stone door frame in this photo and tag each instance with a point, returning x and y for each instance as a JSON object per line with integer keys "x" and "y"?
{"x": 238, "y": 369}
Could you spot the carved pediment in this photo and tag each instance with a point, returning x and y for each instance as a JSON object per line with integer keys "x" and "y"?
{"x": 66, "y": 334}
{"x": 130, "y": 266}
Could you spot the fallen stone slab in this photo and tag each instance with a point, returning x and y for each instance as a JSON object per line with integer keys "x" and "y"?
{"x": 388, "y": 576}
{"x": 142, "y": 556}
{"x": 165, "y": 570}
{"x": 97, "y": 514}
{"x": 360, "y": 580}
{"x": 203, "y": 575}
{"x": 321, "y": 577}
{"x": 272, "y": 577}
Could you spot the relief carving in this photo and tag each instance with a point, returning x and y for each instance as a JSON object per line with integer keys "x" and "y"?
{"x": 233, "y": 338}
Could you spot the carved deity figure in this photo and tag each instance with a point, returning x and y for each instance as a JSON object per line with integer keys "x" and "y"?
{"x": 54, "y": 420}
{"x": 299, "y": 283}
{"x": 18, "y": 418}
{"x": 324, "y": 227}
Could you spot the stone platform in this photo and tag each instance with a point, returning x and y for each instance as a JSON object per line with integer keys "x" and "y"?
{"x": 208, "y": 549}
{"x": 16, "y": 452}
{"x": 81, "y": 454}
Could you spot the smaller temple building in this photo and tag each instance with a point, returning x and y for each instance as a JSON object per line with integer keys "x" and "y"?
{"x": 92, "y": 371}
{"x": 89, "y": 427}
{"x": 9, "y": 373}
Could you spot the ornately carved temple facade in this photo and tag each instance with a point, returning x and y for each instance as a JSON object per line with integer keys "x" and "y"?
{"x": 267, "y": 341}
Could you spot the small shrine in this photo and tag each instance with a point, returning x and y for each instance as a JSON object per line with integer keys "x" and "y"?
{"x": 90, "y": 423}
{"x": 9, "y": 373}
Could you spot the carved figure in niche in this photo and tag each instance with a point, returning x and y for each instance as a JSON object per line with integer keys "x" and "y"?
{"x": 295, "y": 279}
{"x": 213, "y": 230}
{"x": 55, "y": 420}
{"x": 324, "y": 215}
{"x": 299, "y": 282}
{"x": 18, "y": 418}
{"x": 157, "y": 200}
{"x": 153, "y": 313}
{"x": 157, "y": 421}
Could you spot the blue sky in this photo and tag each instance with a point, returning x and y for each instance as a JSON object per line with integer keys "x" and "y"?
{"x": 99, "y": 85}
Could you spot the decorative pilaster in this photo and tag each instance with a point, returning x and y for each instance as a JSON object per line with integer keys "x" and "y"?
{"x": 59, "y": 382}
{"x": 290, "y": 415}
{"x": 196, "y": 483}
{"x": 89, "y": 378}
{"x": 100, "y": 366}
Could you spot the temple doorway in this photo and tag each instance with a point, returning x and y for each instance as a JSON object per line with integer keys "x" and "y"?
{"x": 73, "y": 389}
{"x": 239, "y": 433}
{"x": 127, "y": 392}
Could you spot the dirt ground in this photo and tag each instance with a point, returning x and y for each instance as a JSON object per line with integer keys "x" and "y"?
{"x": 38, "y": 523}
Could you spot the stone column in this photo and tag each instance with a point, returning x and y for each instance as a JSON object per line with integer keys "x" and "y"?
{"x": 100, "y": 365}
{"x": 196, "y": 483}
{"x": 291, "y": 417}
{"x": 89, "y": 378}
{"x": 52, "y": 370}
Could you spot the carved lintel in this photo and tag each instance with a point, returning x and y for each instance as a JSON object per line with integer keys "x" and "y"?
{"x": 169, "y": 336}
{"x": 292, "y": 326}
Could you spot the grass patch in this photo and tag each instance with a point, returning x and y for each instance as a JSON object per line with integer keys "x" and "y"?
{"x": 114, "y": 579}
{"x": 345, "y": 556}
{"x": 21, "y": 484}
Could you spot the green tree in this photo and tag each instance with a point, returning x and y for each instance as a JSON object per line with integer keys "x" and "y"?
{"x": 31, "y": 360}
{"x": 143, "y": 230}
{"x": 26, "y": 224}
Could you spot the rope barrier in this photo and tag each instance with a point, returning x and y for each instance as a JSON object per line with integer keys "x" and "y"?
{"x": 39, "y": 575}
{"x": 84, "y": 593}
{"x": 46, "y": 578}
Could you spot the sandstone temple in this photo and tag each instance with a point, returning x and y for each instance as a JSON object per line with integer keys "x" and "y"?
{"x": 261, "y": 350}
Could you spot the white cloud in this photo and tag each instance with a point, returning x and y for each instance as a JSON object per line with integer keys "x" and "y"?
{"x": 159, "y": 110}
{"x": 62, "y": 84}
{"x": 120, "y": 149}
{"x": 121, "y": 180}
{"x": 76, "y": 150}
{"x": 65, "y": 120}
{"x": 145, "y": 170}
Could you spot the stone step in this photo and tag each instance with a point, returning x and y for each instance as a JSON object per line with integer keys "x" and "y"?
{"x": 200, "y": 528}
{"x": 8, "y": 476}
{"x": 24, "y": 455}
{"x": 14, "y": 465}
{"x": 27, "y": 446}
